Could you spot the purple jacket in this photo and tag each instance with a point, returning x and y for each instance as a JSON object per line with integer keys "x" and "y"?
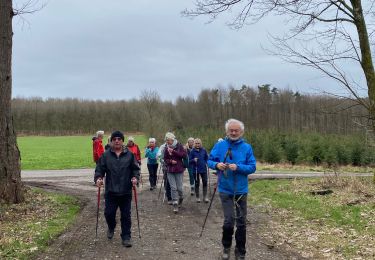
{"x": 178, "y": 153}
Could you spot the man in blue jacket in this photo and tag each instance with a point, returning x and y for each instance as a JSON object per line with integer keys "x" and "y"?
{"x": 234, "y": 160}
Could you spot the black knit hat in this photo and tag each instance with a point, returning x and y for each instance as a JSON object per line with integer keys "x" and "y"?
{"x": 117, "y": 134}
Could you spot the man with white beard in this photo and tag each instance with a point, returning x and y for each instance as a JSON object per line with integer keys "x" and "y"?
{"x": 234, "y": 160}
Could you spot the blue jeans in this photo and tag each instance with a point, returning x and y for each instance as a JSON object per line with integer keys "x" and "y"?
{"x": 176, "y": 182}
{"x": 111, "y": 204}
{"x": 231, "y": 219}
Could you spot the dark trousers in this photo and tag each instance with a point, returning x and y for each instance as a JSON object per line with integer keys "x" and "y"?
{"x": 152, "y": 171}
{"x": 191, "y": 171}
{"x": 230, "y": 219}
{"x": 111, "y": 204}
{"x": 203, "y": 176}
{"x": 167, "y": 186}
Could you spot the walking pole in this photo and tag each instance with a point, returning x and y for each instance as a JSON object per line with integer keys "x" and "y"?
{"x": 97, "y": 214}
{"x": 140, "y": 175}
{"x": 136, "y": 208}
{"x": 196, "y": 176}
{"x": 228, "y": 153}
{"x": 209, "y": 207}
{"x": 209, "y": 179}
{"x": 165, "y": 189}
{"x": 161, "y": 186}
{"x": 157, "y": 175}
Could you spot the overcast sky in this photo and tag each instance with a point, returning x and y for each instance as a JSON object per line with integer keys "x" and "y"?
{"x": 114, "y": 49}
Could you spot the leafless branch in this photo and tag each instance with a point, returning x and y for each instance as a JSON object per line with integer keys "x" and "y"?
{"x": 28, "y": 7}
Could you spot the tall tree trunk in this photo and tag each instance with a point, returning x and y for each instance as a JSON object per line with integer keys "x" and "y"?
{"x": 10, "y": 172}
{"x": 367, "y": 64}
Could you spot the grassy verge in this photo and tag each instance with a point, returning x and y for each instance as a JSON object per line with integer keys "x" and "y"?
{"x": 27, "y": 228}
{"x": 61, "y": 152}
{"x": 339, "y": 225}
{"x": 312, "y": 168}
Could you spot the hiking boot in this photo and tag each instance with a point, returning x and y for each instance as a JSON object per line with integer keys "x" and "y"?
{"x": 192, "y": 193}
{"x": 226, "y": 254}
{"x": 151, "y": 188}
{"x": 110, "y": 233}
{"x": 238, "y": 255}
{"x": 198, "y": 200}
{"x": 175, "y": 208}
{"x": 127, "y": 243}
{"x": 205, "y": 195}
{"x": 180, "y": 200}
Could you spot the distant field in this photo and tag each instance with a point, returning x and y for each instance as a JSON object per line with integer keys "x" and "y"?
{"x": 60, "y": 152}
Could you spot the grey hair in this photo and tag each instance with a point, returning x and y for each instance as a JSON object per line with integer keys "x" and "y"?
{"x": 190, "y": 139}
{"x": 152, "y": 140}
{"x": 169, "y": 135}
{"x": 197, "y": 140}
{"x": 231, "y": 121}
{"x": 100, "y": 132}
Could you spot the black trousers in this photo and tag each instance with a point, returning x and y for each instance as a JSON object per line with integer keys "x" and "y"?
{"x": 231, "y": 219}
{"x": 124, "y": 203}
{"x": 203, "y": 176}
{"x": 152, "y": 171}
{"x": 167, "y": 186}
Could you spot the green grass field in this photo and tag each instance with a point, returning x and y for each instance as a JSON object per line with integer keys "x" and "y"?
{"x": 61, "y": 152}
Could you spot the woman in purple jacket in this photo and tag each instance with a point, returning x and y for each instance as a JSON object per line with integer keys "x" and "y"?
{"x": 173, "y": 155}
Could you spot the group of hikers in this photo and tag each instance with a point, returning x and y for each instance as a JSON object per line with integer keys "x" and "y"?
{"x": 232, "y": 158}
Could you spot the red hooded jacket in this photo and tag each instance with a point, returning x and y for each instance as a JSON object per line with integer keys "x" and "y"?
{"x": 97, "y": 149}
{"x": 135, "y": 150}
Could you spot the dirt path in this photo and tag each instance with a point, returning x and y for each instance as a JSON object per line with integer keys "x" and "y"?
{"x": 164, "y": 234}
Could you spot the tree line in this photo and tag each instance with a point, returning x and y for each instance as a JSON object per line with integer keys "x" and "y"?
{"x": 259, "y": 108}
{"x": 282, "y": 125}
{"x": 272, "y": 146}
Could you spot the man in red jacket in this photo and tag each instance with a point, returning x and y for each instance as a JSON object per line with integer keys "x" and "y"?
{"x": 97, "y": 146}
{"x": 134, "y": 148}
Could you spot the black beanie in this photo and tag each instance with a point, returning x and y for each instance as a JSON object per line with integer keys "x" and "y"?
{"x": 117, "y": 134}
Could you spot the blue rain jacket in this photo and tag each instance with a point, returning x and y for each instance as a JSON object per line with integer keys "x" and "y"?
{"x": 242, "y": 154}
{"x": 151, "y": 154}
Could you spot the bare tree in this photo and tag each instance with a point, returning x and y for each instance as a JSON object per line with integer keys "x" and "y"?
{"x": 324, "y": 34}
{"x": 10, "y": 171}
{"x": 151, "y": 101}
